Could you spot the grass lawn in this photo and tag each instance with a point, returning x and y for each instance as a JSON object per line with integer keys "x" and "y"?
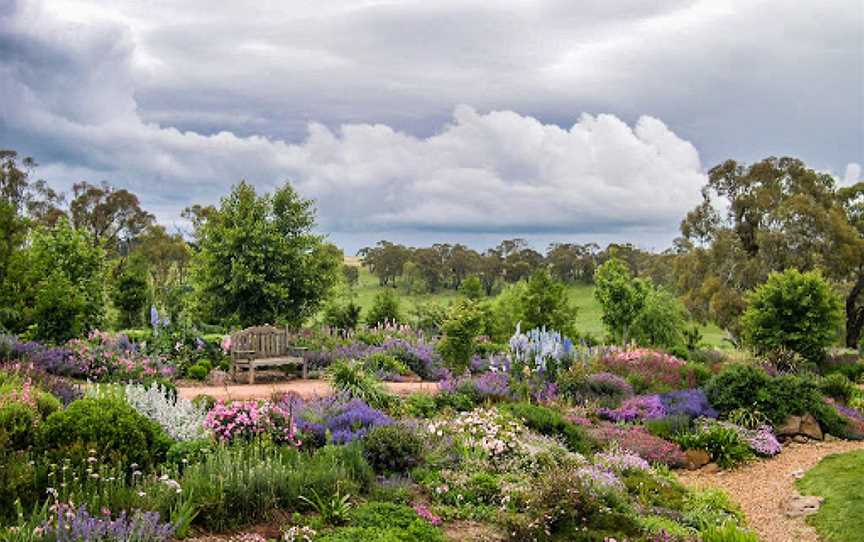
{"x": 838, "y": 479}
{"x": 581, "y": 295}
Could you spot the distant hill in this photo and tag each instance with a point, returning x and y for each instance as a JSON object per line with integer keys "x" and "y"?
{"x": 355, "y": 261}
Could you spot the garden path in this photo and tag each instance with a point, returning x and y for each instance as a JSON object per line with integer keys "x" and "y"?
{"x": 763, "y": 487}
{"x": 305, "y": 388}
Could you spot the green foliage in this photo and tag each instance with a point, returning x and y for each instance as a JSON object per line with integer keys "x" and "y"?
{"x": 651, "y": 490}
{"x": 385, "y": 308}
{"x": 189, "y": 451}
{"x": 130, "y": 290}
{"x": 669, "y": 426}
{"x": 661, "y": 321}
{"x": 258, "y": 260}
{"x": 545, "y": 304}
{"x": 332, "y": 509}
{"x": 723, "y": 444}
{"x": 472, "y": 288}
{"x": 62, "y": 282}
{"x": 241, "y": 484}
{"x": 505, "y": 311}
{"x": 793, "y": 311}
{"x": 728, "y": 532}
{"x": 343, "y": 316}
{"x": 110, "y": 426}
{"x": 621, "y": 296}
{"x": 837, "y": 478}
{"x": 350, "y": 378}
{"x": 708, "y": 508}
{"x": 17, "y": 425}
{"x": 199, "y": 371}
{"x": 547, "y": 421}
{"x": 735, "y": 387}
{"x": 463, "y": 324}
{"x": 838, "y": 387}
{"x": 393, "y": 448}
{"x": 385, "y": 363}
{"x": 418, "y": 531}
{"x": 382, "y": 514}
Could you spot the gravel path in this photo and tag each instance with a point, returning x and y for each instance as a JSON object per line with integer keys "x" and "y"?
{"x": 763, "y": 487}
{"x": 305, "y": 388}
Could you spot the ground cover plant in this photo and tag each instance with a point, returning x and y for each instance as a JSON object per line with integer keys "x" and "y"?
{"x": 837, "y": 478}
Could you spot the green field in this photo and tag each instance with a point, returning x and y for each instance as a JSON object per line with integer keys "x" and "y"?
{"x": 838, "y": 479}
{"x": 582, "y": 297}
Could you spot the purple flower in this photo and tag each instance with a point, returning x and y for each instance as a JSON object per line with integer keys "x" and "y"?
{"x": 344, "y": 420}
{"x": 692, "y": 403}
{"x": 70, "y": 525}
{"x": 641, "y": 407}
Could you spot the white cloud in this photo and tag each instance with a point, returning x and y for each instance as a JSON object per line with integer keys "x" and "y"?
{"x": 853, "y": 173}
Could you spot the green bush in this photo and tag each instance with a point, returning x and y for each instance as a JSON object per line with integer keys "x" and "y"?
{"x": 420, "y": 405}
{"x": 723, "y": 444}
{"x": 350, "y": 378}
{"x": 652, "y": 491}
{"x": 382, "y": 514}
{"x": 669, "y": 426}
{"x": 728, "y": 532}
{"x": 418, "y": 531}
{"x": 838, "y": 387}
{"x": 46, "y": 404}
{"x": 17, "y": 425}
{"x": 458, "y": 401}
{"x": 204, "y": 401}
{"x": 108, "y": 425}
{"x": 549, "y": 422}
{"x": 199, "y": 371}
{"x": 463, "y": 324}
{"x": 386, "y": 363}
{"x": 793, "y": 311}
{"x": 393, "y": 448}
{"x": 189, "y": 451}
{"x": 735, "y": 387}
{"x": 342, "y": 316}
{"x": 385, "y": 308}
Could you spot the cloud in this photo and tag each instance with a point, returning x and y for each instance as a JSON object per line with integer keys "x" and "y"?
{"x": 853, "y": 173}
{"x": 357, "y": 104}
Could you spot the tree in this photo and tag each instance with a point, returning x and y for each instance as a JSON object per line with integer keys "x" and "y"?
{"x": 130, "y": 291}
{"x": 113, "y": 218}
{"x": 385, "y": 260}
{"x": 385, "y": 308}
{"x": 770, "y": 216}
{"x": 545, "y": 304}
{"x": 351, "y": 274}
{"x": 472, "y": 288}
{"x": 793, "y": 311}
{"x": 661, "y": 321}
{"x": 61, "y": 262}
{"x": 621, "y": 296}
{"x": 168, "y": 257}
{"x": 259, "y": 262}
{"x": 463, "y": 324}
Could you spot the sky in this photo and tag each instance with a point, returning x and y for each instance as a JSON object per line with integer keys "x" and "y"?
{"x": 421, "y": 122}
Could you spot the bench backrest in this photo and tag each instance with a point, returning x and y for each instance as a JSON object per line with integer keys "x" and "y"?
{"x": 264, "y": 341}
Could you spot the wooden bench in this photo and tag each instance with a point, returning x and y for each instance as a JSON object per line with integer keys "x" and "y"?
{"x": 263, "y": 346}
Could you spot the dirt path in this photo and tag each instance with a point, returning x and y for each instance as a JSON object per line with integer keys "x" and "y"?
{"x": 305, "y": 388}
{"x": 763, "y": 487}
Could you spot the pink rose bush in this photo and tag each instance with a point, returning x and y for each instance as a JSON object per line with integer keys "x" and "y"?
{"x": 246, "y": 420}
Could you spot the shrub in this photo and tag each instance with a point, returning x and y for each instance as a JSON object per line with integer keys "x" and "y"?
{"x": 669, "y": 426}
{"x": 651, "y": 490}
{"x": 108, "y": 425}
{"x": 349, "y": 378}
{"x": 549, "y": 422}
{"x": 392, "y": 448}
{"x": 649, "y": 370}
{"x": 736, "y": 386}
{"x": 241, "y": 420}
{"x": 189, "y": 451}
{"x": 382, "y": 514}
{"x": 723, "y": 444}
{"x": 18, "y": 422}
{"x": 385, "y": 308}
{"x": 639, "y": 441}
{"x": 421, "y": 405}
{"x": 463, "y": 324}
{"x": 545, "y": 304}
{"x": 198, "y": 371}
{"x": 692, "y": 403}
{"x": 621, "y": 296}
{"x": 792, "y": 310}
{"x": 838, "y": 387}
{"x": 180, "y": 418}
{"x": 641, "y": 407}
{"x": 338, "y": 419}
{"x": 606, "y": 388}
{"x": 385, "y": 365}
{"x": 340, "y": 316}
{"x": 728, "y": 532}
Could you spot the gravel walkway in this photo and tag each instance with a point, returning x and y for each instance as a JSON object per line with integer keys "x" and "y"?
{"x": 763, "y": 487}
{"x": 305, "y": 388}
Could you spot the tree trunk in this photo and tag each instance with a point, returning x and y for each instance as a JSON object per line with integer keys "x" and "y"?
{"x": 855, "y": 313}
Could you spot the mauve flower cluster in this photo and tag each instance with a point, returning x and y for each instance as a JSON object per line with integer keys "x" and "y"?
{"x": 762, "y": 441}
{"x": 641, "y": 407}
{"x": 599, "y": 480}
{"x": 609, "y": 384}
{"x": 618, "y": 460}
{"x": 423, "y": 511}
{"x": 653, "y": 369}
{"x": 342, "y": 420}
{"x": 71, "y": 525}
{"x": 248, "y": 419}
{"x": 638, "y": 440}
{"x": 419, "y": 355}
{"x": 692, "y": 403}
{"x": 61, "y": 388}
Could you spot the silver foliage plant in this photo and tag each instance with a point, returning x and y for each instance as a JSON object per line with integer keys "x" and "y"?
{"x": 178, "y": 416}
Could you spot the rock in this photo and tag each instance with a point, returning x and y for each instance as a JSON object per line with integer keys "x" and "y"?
{"x": 217, "y": 378}
{"x": 697, "y": 458}
{"x": 802, "y": 506}
{"x": 831, "y": 438}
{"x": 798, "y": 474}
{"x": 711, "y": 468}
{"x": 810, "y": 427}
{"x": 791, "y": 426}
{"x": 800, "y": 439}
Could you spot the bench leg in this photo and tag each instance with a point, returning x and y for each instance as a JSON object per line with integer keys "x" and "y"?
{"x": 251, "y": 374}
{"x": 305, "y": 371}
